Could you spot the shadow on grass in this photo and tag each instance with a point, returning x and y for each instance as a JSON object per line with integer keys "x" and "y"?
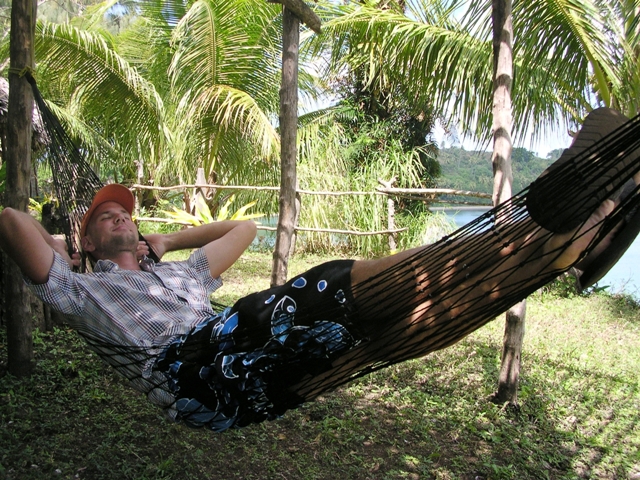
{"x": 427, "y": 418}
{"x": 571, "y": 422}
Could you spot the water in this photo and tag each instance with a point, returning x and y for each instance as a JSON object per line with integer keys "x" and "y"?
{"x": 623, "y": 277}
{"x": 462, "y": 215}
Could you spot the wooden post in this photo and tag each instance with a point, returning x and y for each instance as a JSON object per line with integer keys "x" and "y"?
{"x": 298, "y": 208}
{"x": 391, "y": 214}
{"x": 200, "y": 193}
{"x": 302, "y": 11}
{"x": 288, "y": 146}
{"x": 18, "y": 158}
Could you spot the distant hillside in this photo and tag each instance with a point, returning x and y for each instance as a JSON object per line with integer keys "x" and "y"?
{"x": 471, "y": 170}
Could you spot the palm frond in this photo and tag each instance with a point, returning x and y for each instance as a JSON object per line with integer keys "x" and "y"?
{"x": 560, "y": 54}
{"x": 107, "y": 92}
{"x": 225, "y": 108}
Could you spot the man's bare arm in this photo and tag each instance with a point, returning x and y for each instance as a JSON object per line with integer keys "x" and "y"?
{"x": 29, "y": 245}
{"x": 223, "y": 242}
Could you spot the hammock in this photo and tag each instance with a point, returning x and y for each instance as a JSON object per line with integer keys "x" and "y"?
{"x": 74, "y": 181}
{"x": 430, "y": 300}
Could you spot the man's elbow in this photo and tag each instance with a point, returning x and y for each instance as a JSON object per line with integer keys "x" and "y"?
{"x": 251, "y": 229}
{"x": 8, "y": 218}
{"x": 24, "y": 245}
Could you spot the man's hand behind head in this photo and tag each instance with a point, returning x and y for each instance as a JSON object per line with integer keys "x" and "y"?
{"x": 60, "y": 246}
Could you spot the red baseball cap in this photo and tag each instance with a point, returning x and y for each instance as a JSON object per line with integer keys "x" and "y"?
{"x": 114, "y": 192}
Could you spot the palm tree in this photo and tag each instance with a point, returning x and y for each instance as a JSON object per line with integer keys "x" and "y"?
{"x": 183, "y": 86}
{"x": 563, "y": 63}
{"x": 224, "y": 77}
{"x": 110, "y": 109}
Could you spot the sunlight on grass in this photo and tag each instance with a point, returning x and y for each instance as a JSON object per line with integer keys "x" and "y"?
{"x": 577, "y": 417}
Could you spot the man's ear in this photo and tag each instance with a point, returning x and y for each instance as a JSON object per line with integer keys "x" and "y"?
{"x": 86, "y": 244}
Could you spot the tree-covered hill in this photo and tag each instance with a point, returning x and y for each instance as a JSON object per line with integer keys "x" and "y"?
{"x": 471, "y": 170}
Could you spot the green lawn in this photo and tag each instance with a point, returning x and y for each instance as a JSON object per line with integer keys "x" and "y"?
{"x": 577, "y": 417}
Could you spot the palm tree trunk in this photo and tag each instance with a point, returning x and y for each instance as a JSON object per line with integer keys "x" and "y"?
{"x": 288, "y": 147}
{"x": 503, "y": 178}
{"x": 18, "y": 158}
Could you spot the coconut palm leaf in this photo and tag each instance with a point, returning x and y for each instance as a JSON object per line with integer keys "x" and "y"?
{"x": 79, "y": 69}
{"x": 559, "y": 54}
{"x": 234, "y": 43}
{"x": 428, "y": 58}
{"x": 225, "y": 75}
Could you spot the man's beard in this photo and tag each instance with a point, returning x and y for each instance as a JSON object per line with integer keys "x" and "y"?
{"x": 119, "y": 243}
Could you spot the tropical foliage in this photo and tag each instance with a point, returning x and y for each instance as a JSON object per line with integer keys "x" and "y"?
{"x": 564, "y": 64}
{"x": 183, "y": 86}
{"x": 471, "y": 170}
{"x": 153, "y": 90}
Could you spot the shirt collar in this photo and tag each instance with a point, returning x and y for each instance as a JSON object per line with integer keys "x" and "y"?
{"x": 105, "y": 266}
{"x": 108, "y": 266}
{"x": 147, "y": 264}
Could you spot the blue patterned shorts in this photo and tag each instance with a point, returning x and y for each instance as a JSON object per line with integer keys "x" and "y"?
{"x": 239, "y": 366}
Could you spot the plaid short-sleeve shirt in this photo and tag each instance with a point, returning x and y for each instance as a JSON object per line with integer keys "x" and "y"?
{"x": 132, "y": 308}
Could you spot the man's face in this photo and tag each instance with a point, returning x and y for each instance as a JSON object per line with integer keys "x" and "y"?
{"x": 110, "y": 231}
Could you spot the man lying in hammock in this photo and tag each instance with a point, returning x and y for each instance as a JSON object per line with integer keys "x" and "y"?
{"x": 276, "y": 349}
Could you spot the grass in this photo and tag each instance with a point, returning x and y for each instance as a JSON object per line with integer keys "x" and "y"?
{"x": 577, "y": 417}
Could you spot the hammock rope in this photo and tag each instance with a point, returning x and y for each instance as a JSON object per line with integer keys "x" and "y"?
{"x": 75, "y": 182}
{"x": 428, "y": 301}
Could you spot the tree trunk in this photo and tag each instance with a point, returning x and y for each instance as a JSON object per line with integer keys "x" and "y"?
{"x": 502, "y": 181}
{"x": 18, "y": 158}
{"x": 288, "y": 147}
{"x": 502, "y": 112}
{"x": 511, "y": 351}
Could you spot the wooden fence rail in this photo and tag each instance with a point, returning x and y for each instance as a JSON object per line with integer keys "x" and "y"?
{"x": 423, "y": 194}
{"x": 416, "y": 192}
{"x": 273, "y": 229}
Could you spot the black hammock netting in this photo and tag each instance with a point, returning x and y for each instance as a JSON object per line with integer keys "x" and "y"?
{"x": 269, "y": 352}
{"x": 74, "y": 181}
